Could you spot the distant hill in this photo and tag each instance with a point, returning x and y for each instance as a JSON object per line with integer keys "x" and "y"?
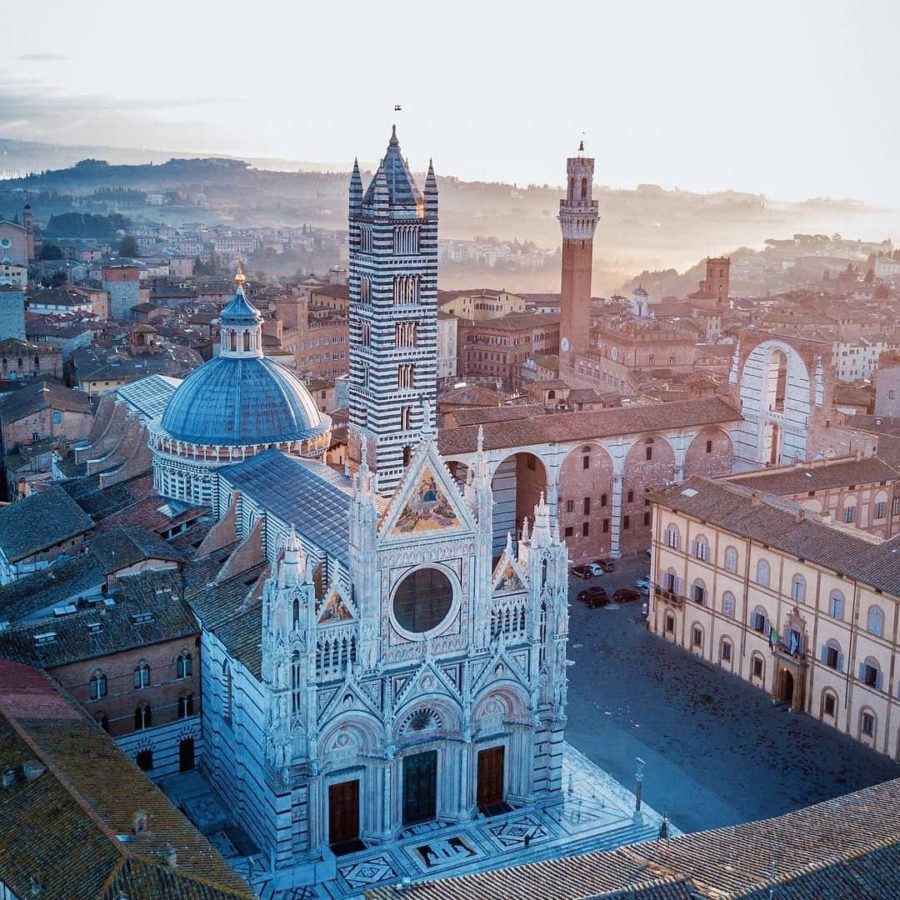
{"x": 647, "y": 228}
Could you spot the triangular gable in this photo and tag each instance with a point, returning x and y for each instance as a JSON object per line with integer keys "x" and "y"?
{"x": 428, "y": 680}
{"x": 427, "y": 500}
{"x": 335, "y": 609}
{"x": 358, "y": 702}
{"x": 511, "y": 670}
{"x": 509, "y": 576}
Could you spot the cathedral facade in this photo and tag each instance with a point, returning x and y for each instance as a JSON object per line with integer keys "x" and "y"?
{"x": 388, "y": 668}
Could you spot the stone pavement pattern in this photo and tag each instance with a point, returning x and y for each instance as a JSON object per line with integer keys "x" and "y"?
{"x": 595, "y": 813}
{"x": 718, "y": 751}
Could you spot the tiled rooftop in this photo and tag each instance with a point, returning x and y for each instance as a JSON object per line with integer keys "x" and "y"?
{"x": 846, "y": 847}
{"x": 577, "y": 426}
{"x": 69, "y": 830}
{"x": 786, "y": 527}
{"x": 39, "y": 521}
{"x": 822, "y": 476}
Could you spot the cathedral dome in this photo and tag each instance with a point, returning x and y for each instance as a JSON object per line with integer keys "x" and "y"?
{"x": 240, "y": 398}
{"x": 241, "y": 401}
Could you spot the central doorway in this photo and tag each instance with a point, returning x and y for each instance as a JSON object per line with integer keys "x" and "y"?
{"x": 490, "y": 777}
{"x": 420, "y": 787}
{"x": 343, "y": 816}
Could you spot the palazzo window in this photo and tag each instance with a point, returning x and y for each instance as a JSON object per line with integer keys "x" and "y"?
{"x": 406, "y": 374}
{"x": 141, "y": 676}
{"x": 98, "y": 685}
{"x": 406, "y": 289}
{"x": 184, "y": 665}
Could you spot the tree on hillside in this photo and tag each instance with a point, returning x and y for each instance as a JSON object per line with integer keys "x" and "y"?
{"x": 51, "y": 251}
{"x": 128, "y": 246}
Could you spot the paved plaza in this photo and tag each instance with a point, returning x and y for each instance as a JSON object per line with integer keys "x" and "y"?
{"x": 717, "y": 751}
{"x": 594, "y": 813}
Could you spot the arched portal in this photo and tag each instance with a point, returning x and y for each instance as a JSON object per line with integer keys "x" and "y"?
{"x": 786, "y": 688}
{"x": 517, "y": 484}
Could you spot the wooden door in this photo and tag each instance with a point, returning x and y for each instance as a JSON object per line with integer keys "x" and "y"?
{"x": 343, "y": 812}
{"x": 420, "y": 787}
{"x": 490, "y": 776}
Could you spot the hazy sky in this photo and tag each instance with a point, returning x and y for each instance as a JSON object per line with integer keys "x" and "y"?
{"x": 787, "y": 97}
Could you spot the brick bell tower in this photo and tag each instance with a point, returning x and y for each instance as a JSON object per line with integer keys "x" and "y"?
{"x": 577, "y": 220}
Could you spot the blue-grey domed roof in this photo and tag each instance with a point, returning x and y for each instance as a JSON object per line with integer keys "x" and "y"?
{"x": 242, "y": 401}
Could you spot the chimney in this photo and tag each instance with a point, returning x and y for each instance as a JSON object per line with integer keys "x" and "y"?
{"x": 800, "y": 516}
{"x": 139, "y": 822}
{"x": 32, "y": 769}
{"x": 37, "y": 886}
{"x": 8, "y": 779}
{"x": 755, "y": 500}
{"x": 171, "y": 856}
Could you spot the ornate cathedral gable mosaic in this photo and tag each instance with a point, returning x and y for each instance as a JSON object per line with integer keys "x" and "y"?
{"x": 334, "y": 610}
{"x": 427, "y": 508}
{"x": 506, "y": 578}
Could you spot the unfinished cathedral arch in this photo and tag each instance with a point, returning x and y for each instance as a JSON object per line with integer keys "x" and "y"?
{"x": 781, "y": 387}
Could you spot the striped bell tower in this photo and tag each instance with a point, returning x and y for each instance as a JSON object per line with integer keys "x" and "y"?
{"x": 393, "y": 315}
{"x": 577, "y": 220}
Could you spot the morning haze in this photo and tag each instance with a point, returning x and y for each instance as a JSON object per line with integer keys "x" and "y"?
{"x": 449, "y": 451}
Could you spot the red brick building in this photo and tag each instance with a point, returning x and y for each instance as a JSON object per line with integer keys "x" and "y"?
{"x": 504, "y": 349}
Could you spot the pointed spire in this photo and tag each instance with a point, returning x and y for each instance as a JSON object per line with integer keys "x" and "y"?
{"x": 480, "y": 445}
{"x": 394, "y": 139}
{"x": 509, "y": 545}
{"x": 293, "y": 563}
{"x": 540, "y": 536}
{"x": 525, "y": 535}
{"x": 430, "y": 179}
{"x": 356, "y": 189}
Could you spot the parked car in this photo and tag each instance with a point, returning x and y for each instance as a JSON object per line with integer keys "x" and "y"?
{"x": 582, "y": 572}
{"x": 608, "y": 565}
{"x": 642, "y": 586}
{"x": 626, "y": 595}
{"x": 593, "y": 597}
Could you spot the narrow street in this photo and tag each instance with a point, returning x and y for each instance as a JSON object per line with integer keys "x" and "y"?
{"x": 717, "y": 751}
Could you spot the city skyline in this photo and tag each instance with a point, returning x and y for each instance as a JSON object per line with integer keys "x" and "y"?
{"x": 661, "y": 95}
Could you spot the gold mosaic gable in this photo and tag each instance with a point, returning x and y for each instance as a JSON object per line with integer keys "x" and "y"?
{"x": 334, "y": 610}
{"x": 427, "y": 508}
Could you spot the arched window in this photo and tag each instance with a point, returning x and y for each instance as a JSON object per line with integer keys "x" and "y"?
{"x": 143, "y": 717}
{"x": 697, "y": 636}
{"x": 672, "y": 582}
{"x": 701, "y": 548}
{"x": 726, "y": 649}
{"x": 875, "y": 621}
{"x": 227, "y": 692}
{"x": 728, "y": 604}
{"x": 731, "y": 559}
{"x": 762, "y": 573}
{"x": 759, "y": 621}
{"x": 698, "y": 592}
{"x": 185, "y": 706}
{"x": 798, "y": 588}
{"x": 232, "y": 336}
{"x": 98, "y": 685}
{"x": 868, "y": 723}
{"x": 673, "y": 537}
{"x": 829, "y": 704}
{"x": 246, "y": 340}
{"x": 836, "y": 604}
{"x": 870, "y": 673}
{"x": 832, "y": 656}
{"x": 184, "y": 665}
{"x": 584, "y": 188}
{"x": 141, "y": 676}
{"x": 758, "y": 666}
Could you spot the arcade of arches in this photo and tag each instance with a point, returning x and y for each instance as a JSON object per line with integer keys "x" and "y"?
{"x": 599, "y": 514}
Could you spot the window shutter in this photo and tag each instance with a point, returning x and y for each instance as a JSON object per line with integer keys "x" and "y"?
{"x": 862, "y": 671}
{"x": 824, "y": 656}
{"x": 840, "y": 662}
{"x": 878, "y": 679}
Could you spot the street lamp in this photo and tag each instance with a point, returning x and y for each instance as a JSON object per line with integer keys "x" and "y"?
{"x": 639, "y": 765}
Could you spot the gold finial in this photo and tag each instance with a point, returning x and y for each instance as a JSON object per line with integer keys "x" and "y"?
{"x": 240, "y": 278}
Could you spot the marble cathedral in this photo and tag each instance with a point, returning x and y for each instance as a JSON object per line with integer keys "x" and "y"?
{"x": 389, "y": 671}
